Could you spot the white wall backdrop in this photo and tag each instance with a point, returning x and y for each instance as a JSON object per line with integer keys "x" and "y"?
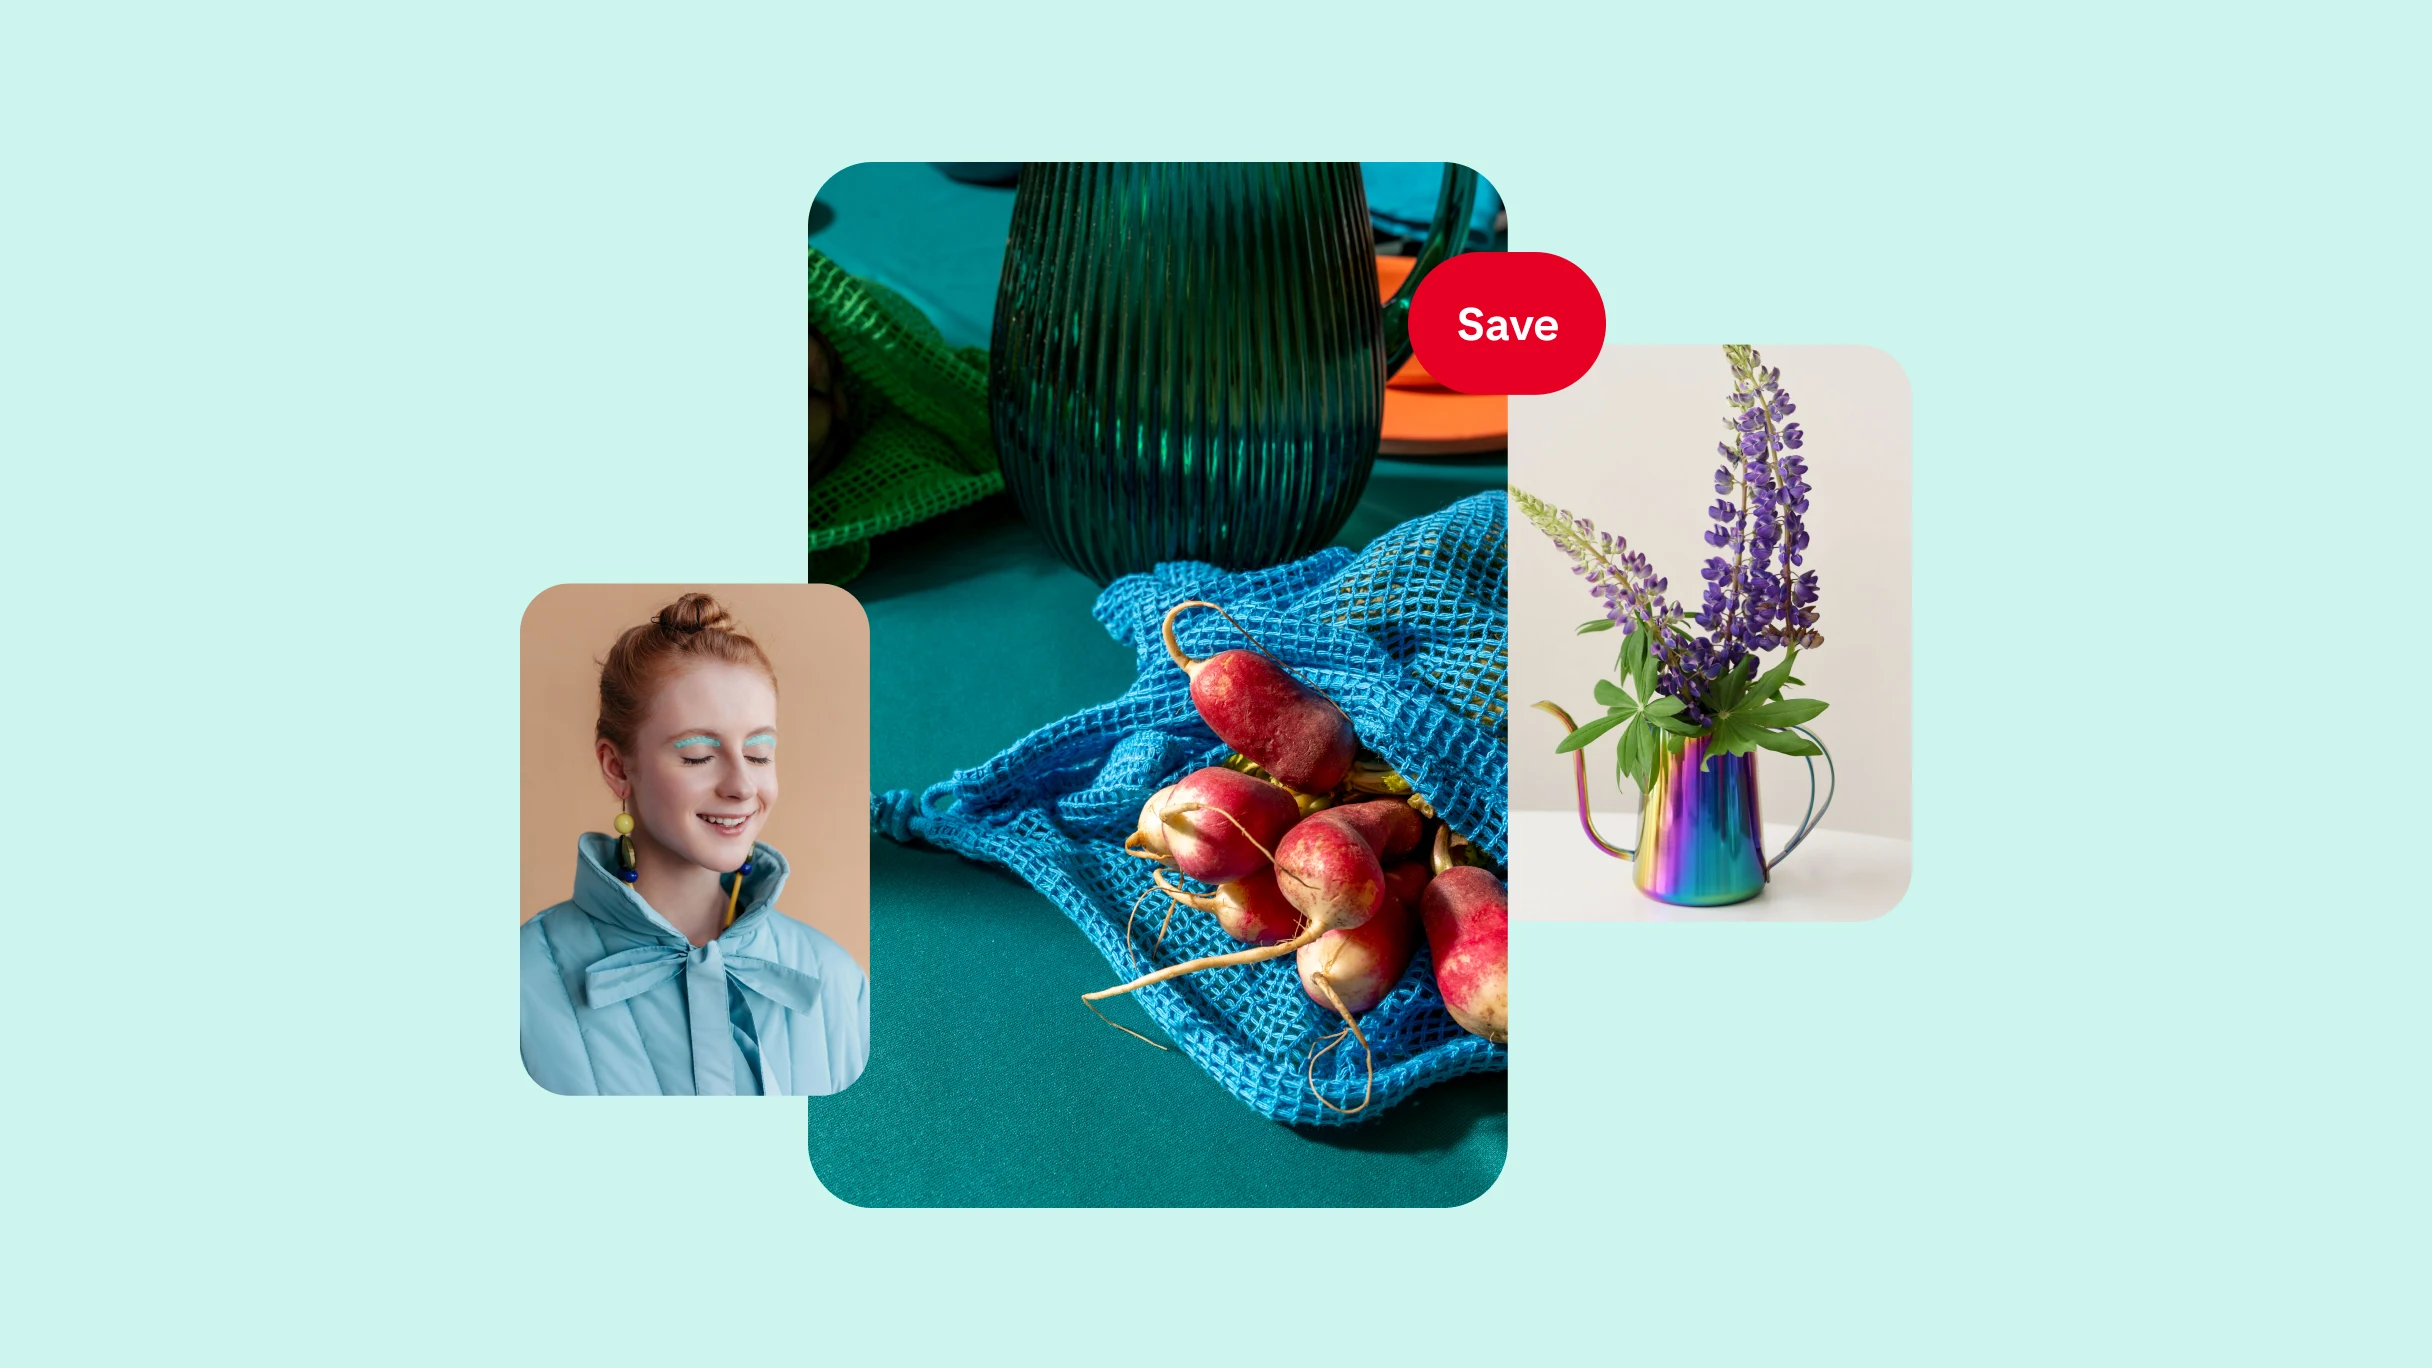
{"x": 1631, "y": 446}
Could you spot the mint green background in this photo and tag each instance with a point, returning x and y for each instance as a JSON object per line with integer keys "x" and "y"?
{"x": 329, "y": 342}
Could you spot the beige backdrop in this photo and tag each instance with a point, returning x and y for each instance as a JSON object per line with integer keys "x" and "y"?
{"x": 1631, "y": 447}
{"x": 819, "y": 641}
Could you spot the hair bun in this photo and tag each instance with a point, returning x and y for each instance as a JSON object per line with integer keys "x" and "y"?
{"x": 689, "y": 631}
{"x": 695, "y": 613}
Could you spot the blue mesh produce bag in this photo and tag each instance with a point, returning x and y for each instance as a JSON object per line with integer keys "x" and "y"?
{"x": 1409, "y": 636}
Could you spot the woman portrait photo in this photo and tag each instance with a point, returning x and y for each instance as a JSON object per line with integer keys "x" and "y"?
{"x": 667, "y": 966}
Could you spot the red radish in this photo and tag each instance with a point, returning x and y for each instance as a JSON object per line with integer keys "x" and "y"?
{"x": 1331, "y": 873}
{"x": 1352, "y": 971}
{"x": 1407, "y": 881}
{"x": 1251, "y": 910}
{"x": 1148, "y": 841}
{"x": 1325, "y": 869}
{"x": 1255, "y": 705}
{"x": 1391, "y": 828}
{"x": 1468, "y": 915}
{"x": 1360, "y": 965}
{"x": 1222, "y": 825}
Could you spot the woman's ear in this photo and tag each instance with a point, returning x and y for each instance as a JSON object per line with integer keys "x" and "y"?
{"x": 612, "y": 769}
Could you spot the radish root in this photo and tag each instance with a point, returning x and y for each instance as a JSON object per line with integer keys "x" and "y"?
{"x": 1128, "y": 951}
{"x": 1135, "y": 958}
{"x": 1093, "y": 1007}
{"x": 1350, "y": 1028}
{"x": 1183, "y": 660}
{"x": 1254, "y": 955}
{"x": 1197, "y": 902}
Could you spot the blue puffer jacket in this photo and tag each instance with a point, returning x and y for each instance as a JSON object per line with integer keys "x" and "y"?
{"x": 616, "y": 1001}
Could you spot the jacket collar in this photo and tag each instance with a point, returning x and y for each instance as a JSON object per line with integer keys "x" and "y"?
{"x": 607, "y": 898}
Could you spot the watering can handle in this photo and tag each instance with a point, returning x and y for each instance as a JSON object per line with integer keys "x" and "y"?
{"x": 1579, "y": 771}
{"x": 1815, "y": 814}
{"x": 1807, "y": 824}
{"x": 1447, "y": 236}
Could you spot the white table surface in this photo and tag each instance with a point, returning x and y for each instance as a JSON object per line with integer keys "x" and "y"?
{"x": 1832, "y": 876}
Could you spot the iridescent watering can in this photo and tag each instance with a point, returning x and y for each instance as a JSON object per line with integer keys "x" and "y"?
{"x": 1189, "y": 360}
{"x": 1700, "y": 843}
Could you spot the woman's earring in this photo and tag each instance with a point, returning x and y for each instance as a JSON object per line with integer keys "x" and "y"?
{"x": 625, "y": 867}
{"x": 734, "y": 895}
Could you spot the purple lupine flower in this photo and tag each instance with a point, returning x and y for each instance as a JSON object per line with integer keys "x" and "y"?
{"x": 1623, "y": 579}
{"x": 1783, "y": 597}
{"x": 1757, "y": 601}
{"x": 1754, "y": 595}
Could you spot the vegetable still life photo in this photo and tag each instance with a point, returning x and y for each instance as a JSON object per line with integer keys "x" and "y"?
{"x": 1707, "y": 717}
{"x": 1188, "y": 803}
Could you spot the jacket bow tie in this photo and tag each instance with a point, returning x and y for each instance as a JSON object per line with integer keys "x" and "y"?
{"x": 706, "y": 968}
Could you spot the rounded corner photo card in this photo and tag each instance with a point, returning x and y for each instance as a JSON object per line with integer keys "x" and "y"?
{"x": 1711, "y": 635}
{"x": 695, "y": 889}
{"x": 1186, "y": 587}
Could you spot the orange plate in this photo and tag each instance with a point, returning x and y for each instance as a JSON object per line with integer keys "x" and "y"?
{"x": 1422, "y": 418}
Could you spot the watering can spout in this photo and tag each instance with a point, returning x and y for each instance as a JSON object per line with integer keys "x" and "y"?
{"x": 1579, "y": 773}
{"x": 1446, "y": 237}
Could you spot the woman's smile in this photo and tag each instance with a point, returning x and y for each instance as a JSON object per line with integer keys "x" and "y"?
{"x": 703, "y": 781}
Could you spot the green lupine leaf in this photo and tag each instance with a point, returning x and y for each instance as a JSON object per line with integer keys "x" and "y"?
{"x": 1719, "y": 743}
{"x": 1610, "y": 694}
{"x": 1633, "y": 650}
{"x": 1770, "y": 683}
{"x": 1788, "y": 743}
{"x": 1788, "y": 712}
{"x": 1676, "y": 727}
{"x": 1633, "y": 758}
{"x": 1590, "y": 732}
{"x": 1644, "y": 675}
{"x": 1731, "y": 737}
{"x": 1598, "y": 625}
{"x": 1729, "y": 689}
{"x": 1664, "y": 707}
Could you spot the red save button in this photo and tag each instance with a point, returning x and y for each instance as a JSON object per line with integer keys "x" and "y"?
{"x": 1507, "y": 323}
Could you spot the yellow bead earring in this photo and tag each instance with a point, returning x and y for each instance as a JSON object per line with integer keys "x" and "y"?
{"x": 625, "y": 864}
{"x": 734, "y": 895}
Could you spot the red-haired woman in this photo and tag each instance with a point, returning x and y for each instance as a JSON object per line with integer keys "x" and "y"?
{"x": 670, "y": 970}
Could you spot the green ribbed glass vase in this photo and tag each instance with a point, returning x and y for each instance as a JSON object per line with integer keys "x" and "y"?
{"x": 1189, "y": 359}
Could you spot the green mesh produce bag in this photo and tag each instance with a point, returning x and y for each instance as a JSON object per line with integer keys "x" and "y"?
{"x": 916, "y": 423}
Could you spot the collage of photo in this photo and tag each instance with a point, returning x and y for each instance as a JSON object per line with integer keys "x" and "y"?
{"x": 1187, "y": 689}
